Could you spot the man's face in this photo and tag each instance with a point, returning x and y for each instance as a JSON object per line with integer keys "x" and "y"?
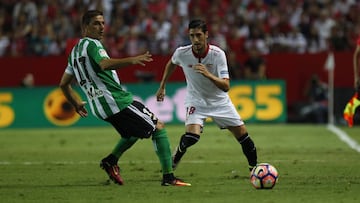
{"x": 198, "y": 39}
{"x": 96, "y": 27}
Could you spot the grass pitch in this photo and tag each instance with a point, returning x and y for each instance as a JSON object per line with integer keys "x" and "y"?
{"x": 62, "y": 165}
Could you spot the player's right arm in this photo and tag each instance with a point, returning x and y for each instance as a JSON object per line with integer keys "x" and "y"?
{"x": 65, "y": 85}
{"x": 169, "y": 69}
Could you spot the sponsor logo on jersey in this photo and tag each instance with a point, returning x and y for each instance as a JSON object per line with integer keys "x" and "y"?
{"x": 94, "y": 93}
{"x": 207, "y": 65}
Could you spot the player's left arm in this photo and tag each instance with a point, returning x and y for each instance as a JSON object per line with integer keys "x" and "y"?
{"x": 113, "y": 64}
{"x": 98, "y": 53}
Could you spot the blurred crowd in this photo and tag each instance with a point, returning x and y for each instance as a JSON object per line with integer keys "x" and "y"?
{"x": 47, "y": 27}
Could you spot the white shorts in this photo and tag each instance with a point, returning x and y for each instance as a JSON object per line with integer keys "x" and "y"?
{"x": 224, "y": 116}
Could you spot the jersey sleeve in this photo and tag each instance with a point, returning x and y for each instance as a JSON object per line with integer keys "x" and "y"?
{"x": 175, "y": 58}
{"x": 69, "y": 69}
{"x": 223, "y": 70}
{"x": 97, "y": 52}
{"x": 358, "y": 41}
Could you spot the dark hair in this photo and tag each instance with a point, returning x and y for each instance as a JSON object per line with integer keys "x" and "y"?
{"x": 89, "y": 15}
{"x": 198, "y": 24}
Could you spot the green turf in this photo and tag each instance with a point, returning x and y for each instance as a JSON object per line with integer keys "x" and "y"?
{"x": 61, "y": 165}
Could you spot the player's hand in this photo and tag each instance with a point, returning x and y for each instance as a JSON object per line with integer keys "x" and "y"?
{"x": 81, "y": 110}
{"x": 160, "y": 94}
{"x": 201, "y": 68}
{"x": 142, "y": 58}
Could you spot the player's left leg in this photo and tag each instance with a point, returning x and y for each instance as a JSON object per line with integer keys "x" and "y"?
{"x": 247, "y": 144}
{"x": 163, "y": 151}
{"x": 227, "y": 117}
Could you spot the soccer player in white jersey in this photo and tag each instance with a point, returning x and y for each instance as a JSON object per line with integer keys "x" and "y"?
{"x": 207, "y": 76}
{"x": 94, "y": 71}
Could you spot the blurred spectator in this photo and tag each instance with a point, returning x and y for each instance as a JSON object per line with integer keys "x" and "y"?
{"x": 257, "y": 10}
{"x": 316, "y": 108}
{"x": 316, "y": 44}
{"x": 4, "y": 38}
{"x": 176, "y": 39}
{"x": 4, "y": 43}
{"x": 217, "y": 37}
{"x": 342, "y": 7}
{"x": 34, "y": 27}
{"x": 338, "y": 41}
{"x": 277, "y": 41}
{"x": 256, "y": 39}
{"x": 162, "y": 31}
{"x": 324, "y": 24}
{"x": 135, "y": 45}
{"x": 235, "y": 42}
{"x": 296, "y": 41}
{"x": 255, "y": 66}
{"x": 305, "y": 25}
{"x": 235, "y": 67}
{"x": 24, "y": 9}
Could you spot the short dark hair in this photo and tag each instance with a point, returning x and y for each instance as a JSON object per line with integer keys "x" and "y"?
{"x": 89, "y": 15}
{"x": 197, "y": 23}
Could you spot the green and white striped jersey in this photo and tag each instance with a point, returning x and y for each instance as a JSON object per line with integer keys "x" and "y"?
{"x": 102, "y": 87}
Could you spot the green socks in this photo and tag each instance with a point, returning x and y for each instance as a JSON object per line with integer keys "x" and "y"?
{"x": 123, "y": 145}
{"x": 163, "y": 151}
{"x": 161, "y": 146}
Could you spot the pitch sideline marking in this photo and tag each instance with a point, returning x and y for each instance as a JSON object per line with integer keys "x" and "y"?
{"x": 26, "y": 163}
{"x": 344, "y": 137}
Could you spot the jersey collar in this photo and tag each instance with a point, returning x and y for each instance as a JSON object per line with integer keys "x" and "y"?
{"x": 200, "y": 56}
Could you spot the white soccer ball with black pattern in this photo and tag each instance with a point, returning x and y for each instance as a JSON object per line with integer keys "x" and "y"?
{"x": 264, "y": 176}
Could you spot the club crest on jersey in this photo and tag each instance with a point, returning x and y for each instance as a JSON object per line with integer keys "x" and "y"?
{"x": 103, "y": 53}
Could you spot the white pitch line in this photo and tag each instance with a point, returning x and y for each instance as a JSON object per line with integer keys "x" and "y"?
{"x": 344, "y": 137}
{"x": 26, "y": 163}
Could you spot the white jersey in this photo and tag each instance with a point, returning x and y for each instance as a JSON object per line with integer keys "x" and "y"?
{"x": 200, "y": 90}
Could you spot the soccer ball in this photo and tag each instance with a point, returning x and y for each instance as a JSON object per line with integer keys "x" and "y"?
{"x": 264, "y": 176}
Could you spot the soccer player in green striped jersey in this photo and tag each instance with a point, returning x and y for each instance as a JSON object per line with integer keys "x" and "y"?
{"x": 95, "y": 73}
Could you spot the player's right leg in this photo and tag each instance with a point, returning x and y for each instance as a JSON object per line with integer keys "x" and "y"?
{"x": 110, "y": 163}
{"x": 194, "y": 123}
{"x": 131, "y": 123}
{"x": 110, "y": 166}
{"x": 188, "y": 139}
